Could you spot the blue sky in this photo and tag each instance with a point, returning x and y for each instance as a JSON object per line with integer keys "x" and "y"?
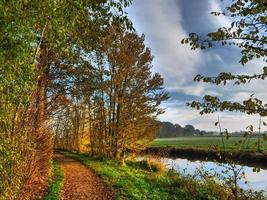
{"x": 165, "y": 23}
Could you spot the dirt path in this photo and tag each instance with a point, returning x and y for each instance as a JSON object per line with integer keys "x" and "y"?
{"x": 80, "y": 182}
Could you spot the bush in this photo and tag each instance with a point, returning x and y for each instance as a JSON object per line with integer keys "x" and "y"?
{"x": 11, "y": 167}
{"x": 153, "y": 164}
{"x": 24, "y": 167}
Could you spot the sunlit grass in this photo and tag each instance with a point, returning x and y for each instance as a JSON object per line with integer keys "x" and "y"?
{"x": 56, "y": 183}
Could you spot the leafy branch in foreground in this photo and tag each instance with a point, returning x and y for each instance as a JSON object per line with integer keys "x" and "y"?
{"x": 248, "y": 32}
{"x": 212, "y": 104}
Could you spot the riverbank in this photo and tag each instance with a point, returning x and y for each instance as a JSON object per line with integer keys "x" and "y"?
{"x": 137, "y": 180}
{"x": 249, "y": 158}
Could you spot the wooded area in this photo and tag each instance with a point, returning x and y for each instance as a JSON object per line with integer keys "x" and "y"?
{"x": 113, "y": 107}
{"x": 73, "y": 72}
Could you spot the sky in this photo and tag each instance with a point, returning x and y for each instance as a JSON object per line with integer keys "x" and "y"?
{"x": 165, "y": 23}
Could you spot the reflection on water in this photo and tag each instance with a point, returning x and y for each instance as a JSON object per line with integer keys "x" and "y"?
{"x": 256, "y": 180}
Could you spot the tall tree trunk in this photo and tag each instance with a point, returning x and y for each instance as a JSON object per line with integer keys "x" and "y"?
{"x": 37, "y": 116}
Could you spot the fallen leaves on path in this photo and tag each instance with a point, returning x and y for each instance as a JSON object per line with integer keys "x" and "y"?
{"x": 80, "y": 182}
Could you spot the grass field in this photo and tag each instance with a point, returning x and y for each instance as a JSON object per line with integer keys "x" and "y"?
{"x": 207, "y": 142}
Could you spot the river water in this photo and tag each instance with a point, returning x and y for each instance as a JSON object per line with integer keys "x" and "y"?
{"x": 255, "y": 180}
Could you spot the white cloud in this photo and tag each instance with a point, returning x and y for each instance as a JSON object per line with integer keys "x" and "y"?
{"x": 161, "y": 23}
{"x": 240, "y": 96}
{"x": 196, "y": 90}
{"x": 219, "y": 58}
{"x": 222, "y": 20}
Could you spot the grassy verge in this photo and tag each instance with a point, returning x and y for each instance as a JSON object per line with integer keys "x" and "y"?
{"x": 56, "y": 183}
{"x": 134, "y": 180}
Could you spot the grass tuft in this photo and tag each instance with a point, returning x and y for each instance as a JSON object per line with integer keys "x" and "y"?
{"x": 152, "y": 164}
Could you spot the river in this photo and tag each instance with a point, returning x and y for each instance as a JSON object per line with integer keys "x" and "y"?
{"x": 255, "y": 180}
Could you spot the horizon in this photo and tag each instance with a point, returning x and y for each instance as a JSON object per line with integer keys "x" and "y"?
{"x": 214, "y": 131}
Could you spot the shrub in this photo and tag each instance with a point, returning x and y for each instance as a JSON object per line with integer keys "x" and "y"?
{"x": 24, "y": 167}
{"x": 12, "y": 166}
{"x": 153, "y": 164}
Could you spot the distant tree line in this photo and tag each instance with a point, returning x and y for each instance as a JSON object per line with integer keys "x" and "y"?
{"x": 168, "y": 129}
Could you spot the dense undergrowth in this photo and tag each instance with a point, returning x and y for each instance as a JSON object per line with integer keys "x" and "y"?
{"x": 136, "y": 180}
{"x": 55, "y": 184}
{"x": 9, "y": 157}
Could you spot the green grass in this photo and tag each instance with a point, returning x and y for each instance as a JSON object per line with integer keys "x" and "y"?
{"x": 134, "y": 181}
{"x": 205, "y": 142}
{"x": 56, "y": 183}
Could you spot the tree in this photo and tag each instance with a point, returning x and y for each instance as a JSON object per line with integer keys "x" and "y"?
{"x": 248, "y": 32}
{"x": 189, "y": 130}
{"x": 167, "y": 129}
{"x": 134, "y": 93}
